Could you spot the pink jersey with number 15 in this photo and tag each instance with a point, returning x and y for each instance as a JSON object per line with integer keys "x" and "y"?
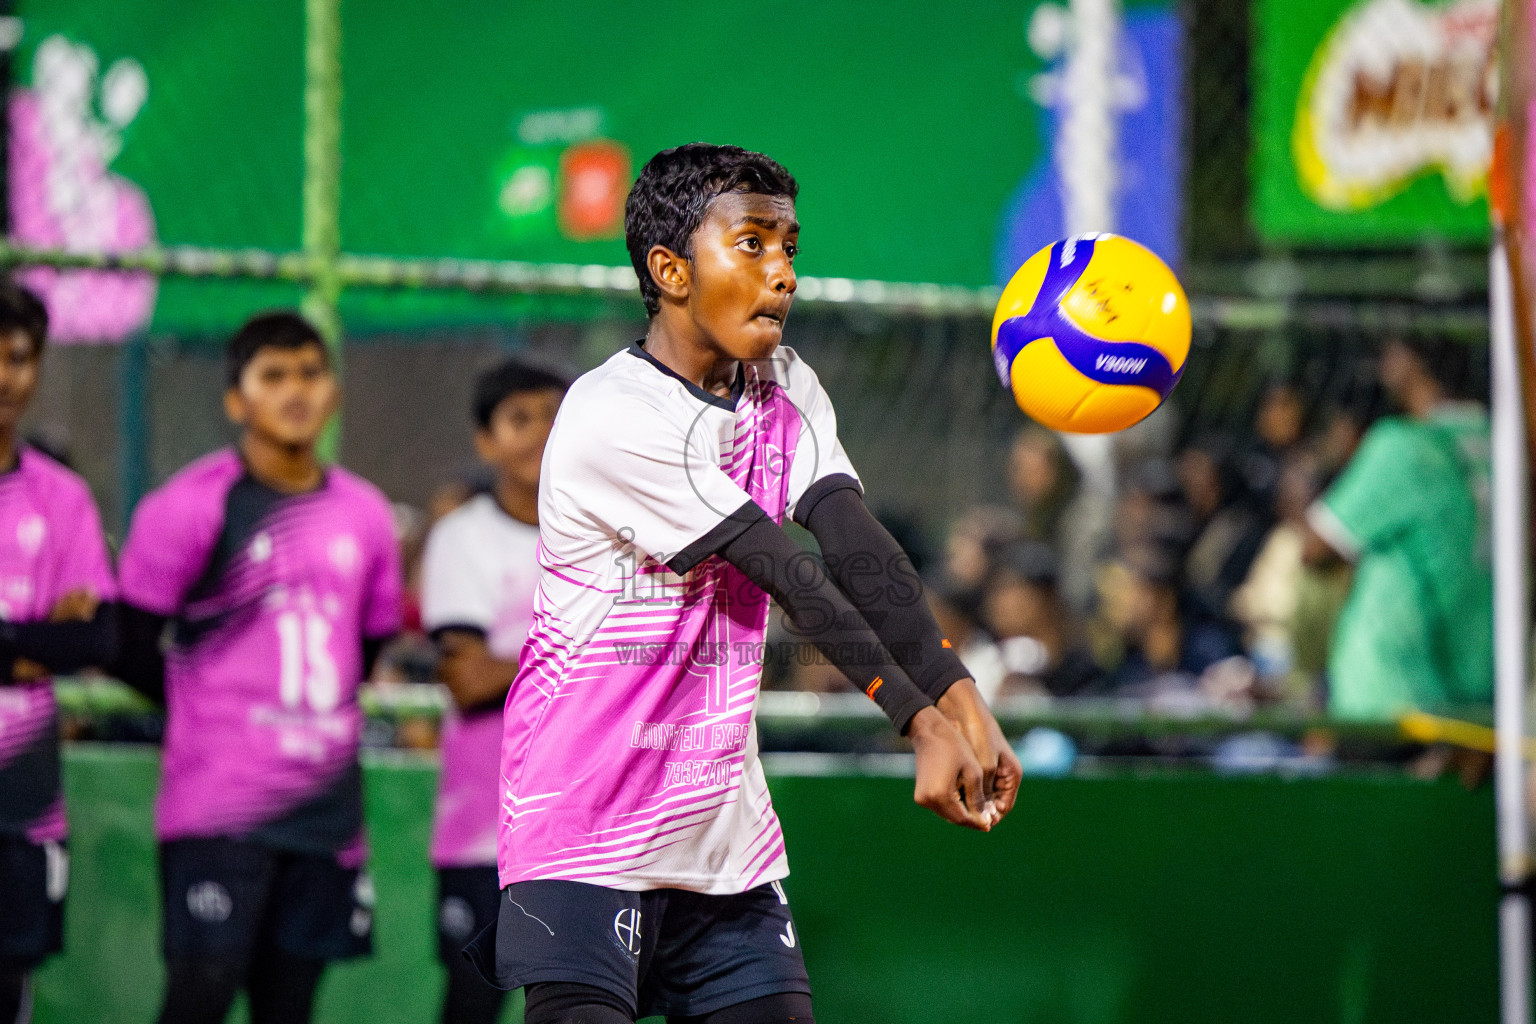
{"x": 272, "y": 596}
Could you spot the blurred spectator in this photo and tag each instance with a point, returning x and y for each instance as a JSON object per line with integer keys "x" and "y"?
{"x": 1043, "y": 481}
{"x": 1411, "y": 512}
{"x": 1278, "y": 423}
{"x": 1337, "y": 440}
{"x": 1151, "y": 509}
{"x": 956, "y": 611}
{"x": 1048, "y": 489}
{"x": 1228, "y": 531}
{"x": 974, "y": 542}
{"x": 1284, "y": 606}
{"x": 1162, "y": 633}
{"x": 1042, "y": 649}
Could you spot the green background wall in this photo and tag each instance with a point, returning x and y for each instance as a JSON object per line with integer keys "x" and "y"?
{"x": 909, "y": 125}
{"x": 1287, "y": 34}
{"x": 1144, "y": 896}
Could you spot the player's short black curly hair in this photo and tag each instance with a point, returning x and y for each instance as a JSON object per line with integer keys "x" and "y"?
{"x": 278, "y": 329}
{"x": 676, "y": 186}
{"x": 512, "y": 377}
{"x": 21, "y": 310}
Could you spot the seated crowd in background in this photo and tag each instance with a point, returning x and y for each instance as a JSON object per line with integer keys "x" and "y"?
{"x": 1308, "y": 562}
{"x": 1313, "y": 563}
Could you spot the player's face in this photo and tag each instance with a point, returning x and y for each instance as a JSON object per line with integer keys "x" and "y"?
{"x": 743, "y": 274}
{"x": 513, "y": 444}
{"x": 19, "y": 365}
{"x": 285, "y": 395}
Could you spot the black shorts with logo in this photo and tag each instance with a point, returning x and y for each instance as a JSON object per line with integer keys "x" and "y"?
{"x": 467, "y": 901}
{"x": 34, "y": 878}
{"x": 665, "y": 951}
{"x": 228, "y": 898}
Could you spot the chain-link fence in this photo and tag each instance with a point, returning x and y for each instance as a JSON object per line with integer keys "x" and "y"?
{"x": 156, "y": 204}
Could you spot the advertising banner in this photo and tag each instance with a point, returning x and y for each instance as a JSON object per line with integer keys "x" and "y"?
{"x": 1373, "y": 120}
{"x": 926, "y": 139}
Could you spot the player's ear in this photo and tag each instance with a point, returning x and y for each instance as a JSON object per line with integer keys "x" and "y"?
{"x": 670, "y": 271}
{"x": 485, "y": 445}
{"x": 235, "y": 407}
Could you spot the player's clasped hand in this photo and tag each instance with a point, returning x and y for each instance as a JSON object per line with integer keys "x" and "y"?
{"x": 77, "y": 605}
{"x": 950, "y": 782}
{"x": 1001, "y": 772}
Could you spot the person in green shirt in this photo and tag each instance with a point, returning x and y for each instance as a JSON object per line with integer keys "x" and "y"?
{"x": 1411, "y": 512}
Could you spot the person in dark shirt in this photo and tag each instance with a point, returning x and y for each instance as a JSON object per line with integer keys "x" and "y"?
{"x": 1163, "y": 633}
{"x": 1041, "y": 644}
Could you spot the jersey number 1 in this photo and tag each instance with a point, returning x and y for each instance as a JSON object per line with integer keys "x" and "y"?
{"x": 308, "y": 673}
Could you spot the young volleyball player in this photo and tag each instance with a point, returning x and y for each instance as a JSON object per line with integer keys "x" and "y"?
{"x": 281, "y": 579}
{"x": 478, "y": 581}
{"x": 639, "y": 854}
{"x": 55, "y": 582}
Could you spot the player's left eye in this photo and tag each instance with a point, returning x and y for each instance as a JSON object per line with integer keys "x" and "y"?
{"x": 791, "y": 249}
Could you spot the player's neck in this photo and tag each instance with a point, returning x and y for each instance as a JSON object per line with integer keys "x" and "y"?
{"x": 285, "y": 468}
{"x": 517, "y": 501}
{"x": 687, "y": 354}
{"x": 10, "y": 449}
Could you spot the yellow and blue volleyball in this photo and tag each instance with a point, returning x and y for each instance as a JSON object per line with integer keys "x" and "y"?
{"x": 1091, "y": 334}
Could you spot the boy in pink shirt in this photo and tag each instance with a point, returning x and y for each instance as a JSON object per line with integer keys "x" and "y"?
{"x": 55, "y": 591}
{"x": 280, "y": 578}
{"x": 478, "y": 580}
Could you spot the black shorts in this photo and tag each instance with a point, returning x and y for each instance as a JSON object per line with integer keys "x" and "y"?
{"x": 226, "y": 898}
{"x": 665, "y": 951}
{"x": 467, "y": 900}
{"x": 34, "y": 878}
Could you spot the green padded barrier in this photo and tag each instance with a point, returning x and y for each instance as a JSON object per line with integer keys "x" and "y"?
{"x": 1131, "y": 896}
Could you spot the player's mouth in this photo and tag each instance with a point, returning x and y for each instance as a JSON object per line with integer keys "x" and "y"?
{"x": 770, "y": 316}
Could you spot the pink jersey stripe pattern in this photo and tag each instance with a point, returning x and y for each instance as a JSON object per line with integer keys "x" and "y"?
{"x": 51, "y": 543}
{"x": 629, "y": 753}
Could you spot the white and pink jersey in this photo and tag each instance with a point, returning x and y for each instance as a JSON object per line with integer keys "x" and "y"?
{"x": 629, "y": 757}
{"x": 479, "y": 574}
{"x": 272, "y": 597}
{"x": 50, "y": 544}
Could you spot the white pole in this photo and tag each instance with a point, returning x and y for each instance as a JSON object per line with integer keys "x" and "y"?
{"x": 1087, "y": 166}
{"x": 1511, "y": 630}
{"x": 1085, "y": 154}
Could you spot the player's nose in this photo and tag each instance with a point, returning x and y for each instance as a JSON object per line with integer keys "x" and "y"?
{"x": 781, "y": 276}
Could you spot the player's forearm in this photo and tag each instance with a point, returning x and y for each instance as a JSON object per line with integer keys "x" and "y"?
{"x": 63, "y": 646}
{"x": 482, "y": 686}
{"x": 140, "y": 662}
{"x": 475, "y": 678}
{"x": 878, "y": 578}
{"x": 822, "y": 615}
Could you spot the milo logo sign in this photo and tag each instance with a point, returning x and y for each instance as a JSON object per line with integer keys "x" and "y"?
{"x": 1398, "y": 89}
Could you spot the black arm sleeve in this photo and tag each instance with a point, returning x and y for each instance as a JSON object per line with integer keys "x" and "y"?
{"x": 63, "y": 647}
{"x": 372, "y": 648}
{"x": 820, "y": 613}
{"x": 878, "y": 577}
{"x": 140, "y": 662}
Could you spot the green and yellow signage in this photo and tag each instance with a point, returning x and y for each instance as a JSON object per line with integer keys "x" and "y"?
{"x": 1373, "y": 120}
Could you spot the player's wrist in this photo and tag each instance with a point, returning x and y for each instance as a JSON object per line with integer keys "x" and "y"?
{"x": 962, "y": 699}
{"x": 928, "y": 725}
